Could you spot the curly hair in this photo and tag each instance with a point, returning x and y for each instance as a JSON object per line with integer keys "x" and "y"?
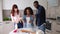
{"x": 30, "y": 10}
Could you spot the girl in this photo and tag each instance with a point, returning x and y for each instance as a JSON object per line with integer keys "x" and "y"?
{"x": 16, "y": 17}
{"x": 28, "y": 18}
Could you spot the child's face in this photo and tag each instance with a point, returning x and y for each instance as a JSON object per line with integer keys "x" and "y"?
{"x": 28, "y": 12}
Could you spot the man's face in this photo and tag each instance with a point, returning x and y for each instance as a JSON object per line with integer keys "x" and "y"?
{"x": 35, "y": 5}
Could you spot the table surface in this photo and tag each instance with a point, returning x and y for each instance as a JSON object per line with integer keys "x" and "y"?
{"x": 40, "y": 31}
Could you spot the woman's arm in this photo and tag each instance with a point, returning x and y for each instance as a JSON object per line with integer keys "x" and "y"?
{"x": 31, "y": 19}
{"x": 19, "y": 17}
{"x": 12, "y": 18}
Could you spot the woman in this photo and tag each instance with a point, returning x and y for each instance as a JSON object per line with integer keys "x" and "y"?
{"x": 28, "y": 18}
{"x": 16, "y": 17}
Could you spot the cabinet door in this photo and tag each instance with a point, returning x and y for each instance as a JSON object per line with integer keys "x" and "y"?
{"x": 53, "y": 2}
{"x": 58, "y": 26}
{"x": 55, "y": 27}
{"x": 8, "y": 27}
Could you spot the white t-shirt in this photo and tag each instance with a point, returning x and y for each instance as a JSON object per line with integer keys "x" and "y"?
{"x": 28, "y": 25}
{"x": 28, "y": 19}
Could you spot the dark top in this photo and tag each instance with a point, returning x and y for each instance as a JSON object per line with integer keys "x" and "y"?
{"x": 40, "y": 15}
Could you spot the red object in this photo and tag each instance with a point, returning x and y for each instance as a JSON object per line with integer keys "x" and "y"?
{"x": 15, "y": 31}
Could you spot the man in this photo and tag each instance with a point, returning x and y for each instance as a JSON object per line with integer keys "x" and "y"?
{"x": 40, "y": 16}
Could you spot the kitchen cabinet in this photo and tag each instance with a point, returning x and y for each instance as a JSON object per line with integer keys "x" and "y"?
{"x": 52, "y": 2}
{"x": 7, "y": 27}
{"x": 56, "y": 27}
{"x": 22, "y": 4}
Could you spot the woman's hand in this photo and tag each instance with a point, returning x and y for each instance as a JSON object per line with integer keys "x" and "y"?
{"x": 18, "y": 19}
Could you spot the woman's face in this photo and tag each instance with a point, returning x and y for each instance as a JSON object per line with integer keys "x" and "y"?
{"x": 28, "y": 12}
{"x": 15, "y": 9}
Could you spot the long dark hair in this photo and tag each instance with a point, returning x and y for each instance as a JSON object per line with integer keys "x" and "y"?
{"x": 13, "y": 11}
{"x": 30, "y": 10}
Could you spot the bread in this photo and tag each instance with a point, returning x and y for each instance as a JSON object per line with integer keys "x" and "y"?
{"x": 25, "y": 31}
{"x": 33, "y": 33}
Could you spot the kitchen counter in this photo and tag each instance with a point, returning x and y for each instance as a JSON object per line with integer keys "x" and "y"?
{"x": 19, "y": 32}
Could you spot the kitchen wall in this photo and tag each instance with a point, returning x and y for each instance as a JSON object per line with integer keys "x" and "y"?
{"x": 7, "y": 4}
{"x": 22, "y": 4}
